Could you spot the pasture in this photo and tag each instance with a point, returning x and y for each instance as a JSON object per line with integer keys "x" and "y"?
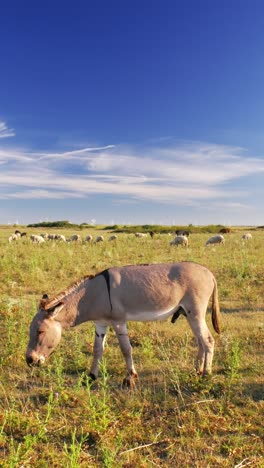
{"x": 172, "y": 417}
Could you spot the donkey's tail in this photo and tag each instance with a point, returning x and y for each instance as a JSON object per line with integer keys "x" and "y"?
{"x": 216, "y": 309}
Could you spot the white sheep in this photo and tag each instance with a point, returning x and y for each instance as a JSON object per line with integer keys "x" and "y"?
{"x": 88, "y": 238}
{"x": 246, "y": 236}
{"x": 75, "y": 238}
{"x": 12, "y": 238}
{"x": 45, "y": 235}
{"x": 141, "y": 234}
{"x": 60, "y": 237}
{"x": 113, "y": 237}
{"x": 36, "y": 239}
{"x": 99, "y": 239}
{"x": 218, "y": 239}
{"x": 180, "y": 240}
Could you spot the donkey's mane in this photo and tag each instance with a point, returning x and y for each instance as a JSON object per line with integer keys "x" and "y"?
{"x": 46, "y": 304}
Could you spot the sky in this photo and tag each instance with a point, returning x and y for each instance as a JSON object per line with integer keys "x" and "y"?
{"x": 132, "y": 112}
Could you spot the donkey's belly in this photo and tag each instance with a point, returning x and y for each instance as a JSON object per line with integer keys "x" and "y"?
{"x": 149, "y": 315}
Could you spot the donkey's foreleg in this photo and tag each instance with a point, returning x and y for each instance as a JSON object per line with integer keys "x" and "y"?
{"x": 98, "y": 349}
{"x": 126, "y": 348}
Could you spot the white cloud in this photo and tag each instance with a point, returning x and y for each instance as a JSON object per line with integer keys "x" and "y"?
{"x": 5, "y": 132}
{"x": 207, "y": 164}
{"x": 181, "y": 175}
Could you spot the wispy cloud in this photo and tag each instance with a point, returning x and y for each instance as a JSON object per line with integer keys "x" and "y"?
{"x": 74, "y": 153}
{"x": 43, "y": 194}
{"x": 184, "y": 174}
{"x": 192, "y": 165}
{"x": 6, "y": 132}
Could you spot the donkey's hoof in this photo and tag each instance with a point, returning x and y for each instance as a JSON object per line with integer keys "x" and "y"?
{"x": 129, "y": 381}
{"x": 207, "y": 375}
{"x": 88, "y": 379}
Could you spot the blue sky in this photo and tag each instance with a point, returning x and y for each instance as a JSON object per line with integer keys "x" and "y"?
{"x": 132, "y": 112}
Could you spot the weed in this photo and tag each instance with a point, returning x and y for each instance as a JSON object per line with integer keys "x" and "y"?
{"x": 98, "y": 402}
{"x": 233, "y": 359}
{"x": 73, "y": 450}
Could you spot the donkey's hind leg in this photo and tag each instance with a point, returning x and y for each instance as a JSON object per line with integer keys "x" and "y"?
{"x": 205, "y": 343}
{"x": 200, "y": 357}
{"x": 126, "y": 348}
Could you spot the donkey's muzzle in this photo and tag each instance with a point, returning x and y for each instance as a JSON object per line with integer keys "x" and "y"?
{"x": 29, "y": 360}
{"x": 37, "y": 361}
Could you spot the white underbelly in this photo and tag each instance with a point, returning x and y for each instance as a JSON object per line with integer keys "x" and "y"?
{"x": 149, "y": 315}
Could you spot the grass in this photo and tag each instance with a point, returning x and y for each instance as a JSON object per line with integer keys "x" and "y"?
{"x": 171, "y": 417}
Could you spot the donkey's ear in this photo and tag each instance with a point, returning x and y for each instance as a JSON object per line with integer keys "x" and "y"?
{"x": 43, "y": 301}
{"x": 54, "y": 310}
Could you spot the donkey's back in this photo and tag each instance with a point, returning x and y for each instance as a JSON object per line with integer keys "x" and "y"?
{"x": 154, "y": 292}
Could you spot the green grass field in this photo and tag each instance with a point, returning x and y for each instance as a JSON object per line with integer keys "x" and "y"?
{"x": 172, "y": 418}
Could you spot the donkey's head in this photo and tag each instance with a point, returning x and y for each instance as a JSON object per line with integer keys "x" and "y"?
{"x": 45, "y": 332}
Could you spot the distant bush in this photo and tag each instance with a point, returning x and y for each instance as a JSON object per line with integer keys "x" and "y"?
{"x": 114, "y": 227}
{"x": 146, "y": 228}
{"x": 87, "y": 225}
{"x": 158, "y": 229}
{"x": 55, "y": 224}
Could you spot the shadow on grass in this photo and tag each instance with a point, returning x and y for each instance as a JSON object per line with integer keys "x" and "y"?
{"x": 255, "y": 391}
{"x": 75, "y": 372}
{"x": 230, "y": 310}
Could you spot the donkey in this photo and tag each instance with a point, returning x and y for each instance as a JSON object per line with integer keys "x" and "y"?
{"x": 129, "y": 293}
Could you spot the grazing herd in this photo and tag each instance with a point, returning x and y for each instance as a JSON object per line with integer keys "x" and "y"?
{"x": 181, "y": 238}
{"x": 43, "y": 237}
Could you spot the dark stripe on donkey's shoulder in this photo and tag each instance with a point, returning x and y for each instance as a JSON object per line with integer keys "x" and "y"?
{"x": 106, "y": 276}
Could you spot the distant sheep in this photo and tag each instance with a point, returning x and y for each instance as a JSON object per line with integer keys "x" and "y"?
{"x": 51, "y": 236}
{"x": 219, "y": 239}
{"x": 60, "y": 237}
{"x": 141, "y": 234}
{"x": 180, "y": 240}
{"x": 16, "y": 236}
{"x": 36, "y": 239}
{"x": 45, "y": 235}
{"x": 181, "y": 232}
{"x": 75, "y": 238}
{"x": 113, "y": 237}
{"x": 247, "y": 236}
{"x": 88, "y": 238}
{"x": 225, "y": 231}
{"x": 99, "y": 239}
{"x": 13, "y": 238}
